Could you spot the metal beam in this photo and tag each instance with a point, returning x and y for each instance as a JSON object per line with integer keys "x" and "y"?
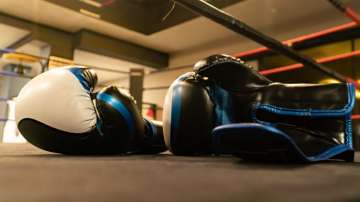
{"x": 22, "y": 41}
{"x": 64, "y": 43}
{"x": 104, "y": 45}
{"x": 60, "y": 41}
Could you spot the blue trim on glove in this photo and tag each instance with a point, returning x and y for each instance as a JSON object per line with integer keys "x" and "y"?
{"x": 221, "y": 130}
{"x": 343, "y": 112}
{"x": 78, "y": 73}
{"x": 313, "y": 112}
{"x": 152, "y": 130}
{"x": 223, "y": 106}
{"x": 120, "y": 107}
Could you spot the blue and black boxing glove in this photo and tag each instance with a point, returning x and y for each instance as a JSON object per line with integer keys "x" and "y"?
{"x": 226, "y": 107}
{"x": 58, "y": 112}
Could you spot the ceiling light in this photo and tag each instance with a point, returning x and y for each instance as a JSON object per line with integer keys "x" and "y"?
{"x": 89, "y": 13}
{"x": 92, "y": 3}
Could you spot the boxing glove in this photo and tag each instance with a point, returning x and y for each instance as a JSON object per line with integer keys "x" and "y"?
{"x": 58, "y": 112}
{"x": 245, "y": 114}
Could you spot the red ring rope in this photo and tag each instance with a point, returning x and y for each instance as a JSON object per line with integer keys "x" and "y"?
{"x": 299, "y": 39}
{"x": 322, "y": 60}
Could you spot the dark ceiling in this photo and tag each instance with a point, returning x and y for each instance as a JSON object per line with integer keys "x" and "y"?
{"x": 144, "y": 16}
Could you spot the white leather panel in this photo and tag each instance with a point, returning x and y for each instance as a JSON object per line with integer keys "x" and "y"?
{"x": 167, "y": 115}
{"x": 57, "y": 99}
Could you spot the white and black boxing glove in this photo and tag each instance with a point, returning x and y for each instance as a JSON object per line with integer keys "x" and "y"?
{"x": 58, "y": 112}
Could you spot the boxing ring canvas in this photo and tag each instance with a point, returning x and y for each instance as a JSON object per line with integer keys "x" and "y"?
{"x": 32, "y": 175}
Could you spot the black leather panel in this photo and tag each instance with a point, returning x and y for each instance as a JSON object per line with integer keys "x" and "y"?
{"x": 230, "y": 73}
{"x": 243, "y": 106}
{"x": 306, "y": 96}
{"x": 54, "y": 140}
{"x": 154, "y": 139}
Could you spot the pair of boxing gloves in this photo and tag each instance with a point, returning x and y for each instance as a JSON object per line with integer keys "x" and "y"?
{"x": 222, "y": 107}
